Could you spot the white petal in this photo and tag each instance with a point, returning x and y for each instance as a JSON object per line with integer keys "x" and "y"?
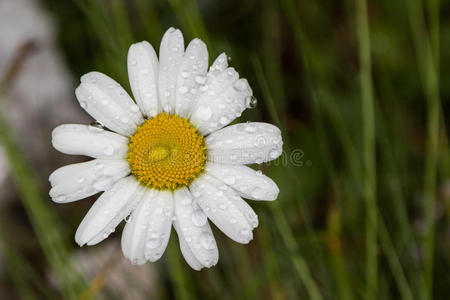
{"x": 78, "y": 181}
{"x": 193, "y": 228}
{"x": 170, "y": 55}
{"x": 108, "y": 211}
{"x": 107, "y": 102}
{"x": 245, "y": 143}
{"x": 225, "y": 208}
{"x": 147, "y": 233}
{"x": 217, "y": 108}
{"x": 249, "y": 183}
{"x": 188, "y": 255}
{"x": 91, "y": 141}
{"x": 191, "y": 77}
{"x": 143, "y": 74}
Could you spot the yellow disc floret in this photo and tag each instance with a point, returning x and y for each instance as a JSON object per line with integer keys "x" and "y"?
{"x": 166, "y": 152}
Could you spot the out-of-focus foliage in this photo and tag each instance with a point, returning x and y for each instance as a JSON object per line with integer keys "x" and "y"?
{"x": 321, "y": 75}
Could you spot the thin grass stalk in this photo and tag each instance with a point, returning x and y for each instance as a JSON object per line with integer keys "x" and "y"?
{"x": 394, "y": 262}
{"x": 430, "y": 81}
{"x": 368, "y": 128}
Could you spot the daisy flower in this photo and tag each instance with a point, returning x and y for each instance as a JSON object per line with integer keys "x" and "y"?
{"x": 167, "y": 158}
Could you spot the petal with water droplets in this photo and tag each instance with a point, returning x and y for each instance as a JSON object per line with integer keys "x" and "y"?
{"x": 78, "y": 181}
{"x": 143, "y": 74}
{"x": 170, "y": 55}
{"x": 107, "y": 102}
{"x": 245, "y": 143}
{"x": 226, "y": 101}
{"x": 108, "y": 211}
{"x": 219, "y": 64}
{"x": 195, "y": 233}
{"x": 146, "y": 235}
{"x": 249, "y": 183}
{"x": 224, "y": 208}
{"x": 191, "y": 76}
{"x": 91, "y": 141}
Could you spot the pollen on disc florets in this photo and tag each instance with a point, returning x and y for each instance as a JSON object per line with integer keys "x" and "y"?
{"x": 166, "y": 152}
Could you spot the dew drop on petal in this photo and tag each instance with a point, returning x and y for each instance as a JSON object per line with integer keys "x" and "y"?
{"x": 274, "y": 154}
{"x": 200, "y": 79}
{"x": 183, "y": 89}
{"x": 251, "y": 102}
{"x": 153, "y": 242}
{"x": 186, "y": 200}
{"x": 224, "y": 120}
{"x": 198, "y": 217}
{"x": 207, "y": 240}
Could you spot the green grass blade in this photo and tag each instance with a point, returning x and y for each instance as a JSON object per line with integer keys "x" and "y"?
{"x": 368, "y": 127}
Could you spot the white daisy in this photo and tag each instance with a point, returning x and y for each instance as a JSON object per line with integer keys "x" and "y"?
{"x": 167, "y": 158}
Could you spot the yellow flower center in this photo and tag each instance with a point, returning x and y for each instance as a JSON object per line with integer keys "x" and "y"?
{"x": 166, "y": 152}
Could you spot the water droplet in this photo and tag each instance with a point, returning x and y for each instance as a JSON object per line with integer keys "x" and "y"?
{"x": 198, "y": 217}
{"x": 134, "y": 62}
{"x": 186, "y": 200}
{"x": 274, "y": 154}
{"x": 223, "y": 206}
{"x": 183, "y": 89}
{"x": 229, "y": 58}
{"x": 259, "y": 173}
{"x": 224, "y": 120}
{"x": 219, "y": 193}
{"x": 81, "y": 179}
{"x": 153, "y": 242}
{"x": 83, "y": 104}
{"x": 244, "y": 231}
{"x": 148, "y": 95}
{"x": 60, "y": 198}
{"x": 200, "y": 79}
{"x": 106, "y": 211}
{"x": 124, "y": 120}
{"x": 240, "y": 85}
{"x": 251, "y": 101}
{"x": 207, "y": 240}
{"x": 233, "y": 221}
{"x": 184, "y": 74}
{"x": 104, "y": 102}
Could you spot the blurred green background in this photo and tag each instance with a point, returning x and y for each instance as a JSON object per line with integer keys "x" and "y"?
{"x": 361, "y": 92}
